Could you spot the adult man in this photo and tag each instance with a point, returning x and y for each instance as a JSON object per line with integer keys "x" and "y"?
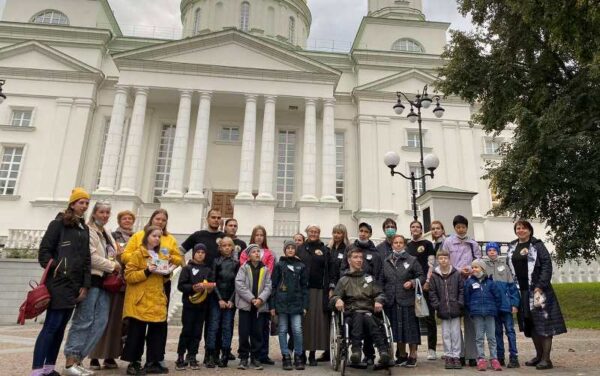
{"x": 358, "y": 296}
{"x": 208, "y": 237}
{"x": 389, "y": 229}
{"x": 372, "y": 261}
{"x": 231, "y": 228}
{"x": 424, "y": 251}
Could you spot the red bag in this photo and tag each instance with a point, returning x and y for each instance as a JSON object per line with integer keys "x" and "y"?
{"x": 38, "y": 299}
{"x": 112, "y": 282}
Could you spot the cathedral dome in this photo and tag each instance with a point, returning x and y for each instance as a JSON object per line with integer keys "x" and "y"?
{"x": 285, "y": 21}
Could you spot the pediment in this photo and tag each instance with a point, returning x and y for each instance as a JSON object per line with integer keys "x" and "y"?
{"x": 408, "y": 81}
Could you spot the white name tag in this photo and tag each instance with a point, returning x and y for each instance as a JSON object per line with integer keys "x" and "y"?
{"x": 195, "y": 271}
{"x": 369, "y": 257}
{"x": 290, "y": 267}
{"x": 340, "y": 256}
{"x": 406, "y": 265}
{"x": 501, "y": 268}
{"x": 368, "y": 279}
{"x": 476, "y": 286}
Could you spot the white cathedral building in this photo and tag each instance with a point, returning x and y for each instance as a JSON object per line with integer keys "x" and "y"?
{"x": 237, "y": 114}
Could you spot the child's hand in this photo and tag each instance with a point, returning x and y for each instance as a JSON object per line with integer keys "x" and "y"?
{"x": 229, "y": 305}
{"x": 515, "y": 310}
{"x": 273, "y": 313}
{"x": 222, "y": 304}
{"x": 198, "y": 287}
{"x": 152, "y": 268}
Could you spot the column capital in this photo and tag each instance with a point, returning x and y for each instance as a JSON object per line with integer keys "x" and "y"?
{"x": 251, "y": 97}
{"x": 67, "y": 102}
{"x": 329, "y": 101}
{"x": 205, "y": 94}
{"x": 185, "y": 92}
{"x": 270, "y": 98}
{"x": 83, "y": 102}
{"x": 122, "y": 89}
{"x": 311, "y": 101}
{"x": 141, "y": 90}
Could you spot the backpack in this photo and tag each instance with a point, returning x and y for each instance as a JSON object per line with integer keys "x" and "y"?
{"x": 37, "y": 300}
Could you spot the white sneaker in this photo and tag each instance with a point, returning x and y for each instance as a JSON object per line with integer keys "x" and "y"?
{"x": 84, "y": 371}
{"x": 73, "y": 371}
{"x": 431, "y": 355}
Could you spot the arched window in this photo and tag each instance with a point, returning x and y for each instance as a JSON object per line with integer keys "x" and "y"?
{"x": 197, "y": 16}
{"x": 407, "y": 45}
{"x": 245, "y": 16}
{"x": 292, "y": 31}
{"x": 51, "y": 17}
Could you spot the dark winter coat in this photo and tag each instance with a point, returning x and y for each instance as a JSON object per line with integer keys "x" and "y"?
{"x": 225, "y": 269}
{"x": 290, "y": 286}
{"x": 372, "y": 261}
{"x": 316, "y": 253}
{"x": 547, "y": 321}
{"x": 385, "y": 249}
{"x": 190, "y": 275}
{"x": 395, "y": 274}
{"x": 337, "y": 255}
{"x": 482, "y": 297}
{"x": 359, "y": 292}
{"x": 446, "y": 293}
{"x": 69, "y": 247}
{"x": 504, "y": 280}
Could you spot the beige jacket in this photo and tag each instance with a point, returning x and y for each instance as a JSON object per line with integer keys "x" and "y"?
{"x": 100, "y": 262}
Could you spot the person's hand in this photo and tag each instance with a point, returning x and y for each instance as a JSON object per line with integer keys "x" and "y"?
{"x": 408, "y": 285}
{"x": 339, "y": 305}
{"x": 152, "y": 268}
{"x": 426, "y": 286}
{"x": 378, "y": 307}
{"x": 466, "y": 271}
{"x": 257, "y": 302}
{"x": 229, "y": 305}
{"x": 538, "y": 290}
{"x": 273, "y": 313}
{"x": 82, "y": 295}
{"x": 515, "y": 310}
{"x": 198, "y": 287}
{"x": 330, "y": 293}
{"x": 117, "y": 267}
{"x": 222, "y": 304}
{"x": 210, "y": 288}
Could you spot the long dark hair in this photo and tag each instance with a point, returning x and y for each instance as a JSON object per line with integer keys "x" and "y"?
{"x": 157, "y": 212}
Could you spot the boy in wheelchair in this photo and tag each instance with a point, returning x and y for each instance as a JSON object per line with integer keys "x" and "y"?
{"x": 358, "y": 296}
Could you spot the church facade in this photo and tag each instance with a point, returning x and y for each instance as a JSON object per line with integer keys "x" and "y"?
{"x": 236, "y": 114}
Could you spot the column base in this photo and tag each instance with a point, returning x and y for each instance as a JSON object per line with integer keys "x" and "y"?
{"x": 326, "y": 215}
{"x": 120, "y": 203}
{"x": 173, "y": 194}
{"x": 375, "y": 219}
{"x": 250, "y": 213}
{"x": 185, "y": 213}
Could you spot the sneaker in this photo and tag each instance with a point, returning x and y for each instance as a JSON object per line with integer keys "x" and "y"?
{"x": 544, "y": 365}
{"x": 194, "y": 364}
{"x": 156, "y": 368}
{"x": 134, "y": 368}
{"x": 243, "y": 364}
{"x": 400, "y": 361}
{"x": 95, "y": 364}
{"x": 355, "y": 356}
{"x": 181, "y": 364}
{"x": 210, "y": 360}
{"x": 384, "y": 357}
{"x": 472, "y": 363}
{"x": 481, "y": 364}
{"x": 110, "y": 364}
{"x": 298, "y": 362}
{"x": 411, "y": 362}
{"x": 73, "y": 371}
{"x": 256, "y": 364}
{"x": 513, "y": 363}
{"x": 533, "y": 362}
{"x": 431, "y": 355}
{"x": 457, "y": 363}
{"x": 449, "y": 363}
{"x": 502, "y": 362}
{"x": 230, "y": 356}
{"x": 286, "y": 363}
{"x": 496, "y": 365}
{"x": 267, "y": 360}
{"x": 369, "y": 360}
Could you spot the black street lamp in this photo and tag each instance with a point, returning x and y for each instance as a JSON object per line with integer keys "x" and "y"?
{"x": 421, "y": 100}
{"x": 431, "y": 162}
{"x": 2, "y": 95}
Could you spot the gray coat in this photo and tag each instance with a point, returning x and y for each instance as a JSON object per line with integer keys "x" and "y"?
{"x": 406, "y": 268}
{"x": 243, "y": 288}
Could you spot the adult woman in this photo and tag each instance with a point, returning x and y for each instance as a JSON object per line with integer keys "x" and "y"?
{"x": 438, "y": 235}
{"x": 110, "y": 346}
{"x": 539, "y": 314}
{"x": 67, "y": 237}
{"x": 315, "y": 255}
{"x": 337, "y": 249}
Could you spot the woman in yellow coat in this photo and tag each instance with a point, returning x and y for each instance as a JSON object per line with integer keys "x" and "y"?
{"x": 145, "y": 306}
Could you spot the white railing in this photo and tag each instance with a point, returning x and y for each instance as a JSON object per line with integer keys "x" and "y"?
{"x": 572, "y": 272}
{"x": 285, "y": 228}
{"x": 24, "y": 239}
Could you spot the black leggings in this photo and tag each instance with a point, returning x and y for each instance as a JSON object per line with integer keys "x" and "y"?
{"x": 155, "y": 339}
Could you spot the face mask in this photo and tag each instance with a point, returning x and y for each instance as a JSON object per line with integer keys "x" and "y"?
{"x": 363, "y": 242}
{"x": 98, "y": 223}
{"x": 389, "y": 232}
{"x": 478, "y": 274}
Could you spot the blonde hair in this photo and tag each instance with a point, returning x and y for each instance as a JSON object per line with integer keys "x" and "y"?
{"x": 339, "y": 228}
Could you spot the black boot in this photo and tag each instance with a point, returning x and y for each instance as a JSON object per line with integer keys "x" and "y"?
{"x": 545, "y": 362}
{"x": 298, "y": 362}
{"x": 311, "y": 359}
{"x": 286, "y": 363}
{"x": 384, "y": 356}
{"x": 356, "y": 354}
{"x": 513, "y": 362}
{"x": 210, "y": 359}
{"x": 224, "y": 358}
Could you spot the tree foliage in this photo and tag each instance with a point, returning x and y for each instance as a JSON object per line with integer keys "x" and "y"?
{"x": 535, "y": 64}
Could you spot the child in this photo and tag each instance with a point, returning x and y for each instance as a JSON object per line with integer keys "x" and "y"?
{"x": 289, "y": 301}
{"x": 503, "y": 278}
{"x": 194, "y": 284}
{"x": 222, "y": 310}
{"x": 252, "y": 289}
{"x": 145, "y": 306}
{"x": 446, "y": 294}
{"x": 482, "y": 302}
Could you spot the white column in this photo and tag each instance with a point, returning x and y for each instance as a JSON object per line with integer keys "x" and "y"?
{"x": 133, "y": 149}
{"x": 180, "y": 144}
{"x": 328, "y": 160}
{"x": 248, "y": 150}
{"x": 110, "y": 162}
{"x": 309, "y": 160}
{"x": 267, "y": 151}
{"x": 199, "y": 151}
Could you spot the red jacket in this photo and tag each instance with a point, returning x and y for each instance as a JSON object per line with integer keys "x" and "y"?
{"x": 268, "y": 259}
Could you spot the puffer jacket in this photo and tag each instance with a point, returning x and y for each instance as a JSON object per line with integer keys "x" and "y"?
{"x": 290, "y": 286}
{"x": 482, "y": 297}
{"x": 190, "y": 275}
{"x": 359, "y": 292}
{"x": 447, "y": 293}
{"x": 244, "y": 284}
{"x": 225, "y": 269}
{"x": 398, "y": 271}
{"x": 69, "y": 247}
{"x": 504, "y": 280}
{"x": 372, "y": 261}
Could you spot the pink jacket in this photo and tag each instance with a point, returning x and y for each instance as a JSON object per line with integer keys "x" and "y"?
{"x": 268, "y": 259}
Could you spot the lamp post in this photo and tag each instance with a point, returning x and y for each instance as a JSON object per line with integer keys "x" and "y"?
{"x": 2, "y": 95}
{"x": 421, "y": 101}
{"x": 430, "y": 162}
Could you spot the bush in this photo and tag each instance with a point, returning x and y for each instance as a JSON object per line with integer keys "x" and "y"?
{"x": 20, "y": 253}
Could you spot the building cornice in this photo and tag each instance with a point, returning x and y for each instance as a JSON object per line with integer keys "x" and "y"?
{"x": 392, "y": 58}
{"x": 20, "y": 31}
{"x": 51, "y": 75}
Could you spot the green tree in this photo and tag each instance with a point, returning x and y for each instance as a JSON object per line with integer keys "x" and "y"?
{"x": 536, "y": 64}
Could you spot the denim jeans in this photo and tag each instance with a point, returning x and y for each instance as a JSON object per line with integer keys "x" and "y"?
{"x": 296, "y": 324}
{"x": 88, "y": 324}
{"x": 219, "y": 319}
{"x": 485, "y": 326}
{"x": 504, "y": 322}
{"x": 48, "y": 341}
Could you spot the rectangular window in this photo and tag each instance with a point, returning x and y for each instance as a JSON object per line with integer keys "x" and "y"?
{"x": 286, "y": 164}
{"x": 340, "y": 159}
{"x": 102, "y": 149}
{"x": 229, "y": 134}
{"x": 491, "y": 147}
{"x": 21, "y": 118}
{"x": 412, "y": 140}
{"x": 12, "y": 158}
{"x": 416, "y": 169}
{"x": 163, "y": 164}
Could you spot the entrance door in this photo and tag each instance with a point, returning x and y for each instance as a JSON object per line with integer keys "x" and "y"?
{"x": 224, "y": 202}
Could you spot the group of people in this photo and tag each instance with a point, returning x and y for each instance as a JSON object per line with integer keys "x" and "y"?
{"x": 291, "y": 296}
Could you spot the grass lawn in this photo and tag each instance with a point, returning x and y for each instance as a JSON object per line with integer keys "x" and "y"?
{"x": 580, "y": 304}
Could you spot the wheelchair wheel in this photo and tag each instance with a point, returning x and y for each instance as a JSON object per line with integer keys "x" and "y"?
{"x": 334, "y": 344}
{"x": 388, "y": 330}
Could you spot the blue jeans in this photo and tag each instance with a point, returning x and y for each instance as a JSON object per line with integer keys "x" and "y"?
{"x": 296, "y": 323}
{"x": 88, "y": 324}
{"x": 48, "y": 341}
{"x": 219, "y": 319}
{"x": 504, "y": 322}
{"x": 485, "y": 326}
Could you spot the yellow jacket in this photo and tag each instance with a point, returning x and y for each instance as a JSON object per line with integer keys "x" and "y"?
{"x": 145, "y": 297}
{"x": 166, "y": 241}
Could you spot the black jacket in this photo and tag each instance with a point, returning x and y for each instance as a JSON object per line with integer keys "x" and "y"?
{"x": 209, "y": 239}
{"x": 224, "y": 270}
{"x": 69, "y": 247}
{"x": 446, "y": 293}
{"x": 290, "y": 286}
{"x": 337, "y": 255}
{"x": 314, "y": 254}
{"x": 372, "y": 261}
{"x": 191, "y": 274}
{"x": 385, "y": 249}
{"x": 406, "y": 268}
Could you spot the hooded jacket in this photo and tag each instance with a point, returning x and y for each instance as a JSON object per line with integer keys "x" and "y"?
{"x": 290, "y": 286}
{"x": 244, "y": 286}
{"x": 504, "y": 280}
{"x": 462, "y": 251}
{"x": 190, "y": 275}
{"x": 482, "y": 296}
{"x": 372, "y": 261}
{"x": 396, "y": 272}
{"x": 447, "y": 293}
{"x": 225, "y": 269}
{"x": 359, "y": 292}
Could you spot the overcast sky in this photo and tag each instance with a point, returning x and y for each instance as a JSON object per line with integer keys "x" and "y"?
{"x": 333, "y": 20}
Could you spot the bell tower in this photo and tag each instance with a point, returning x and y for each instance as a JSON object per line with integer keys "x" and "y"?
{"x": 399, "y": 9}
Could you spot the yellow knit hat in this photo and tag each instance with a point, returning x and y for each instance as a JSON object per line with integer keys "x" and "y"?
{"x": 78, "y": 194}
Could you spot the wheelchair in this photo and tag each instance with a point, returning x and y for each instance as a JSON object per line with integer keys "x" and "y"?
{"x": 339, "y": 342}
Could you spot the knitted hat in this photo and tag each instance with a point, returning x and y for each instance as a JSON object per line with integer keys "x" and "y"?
{"x": 459, "y": 219}
{"x": 492, "y": 245}
{"x": 289, "y": 243}
{"x": 251, "y": 247}
{"x": 480, "y": 263}
{"x": 78, "y": 194}
{"x": 200, "y": 247}
{"x": 366, "y": 225}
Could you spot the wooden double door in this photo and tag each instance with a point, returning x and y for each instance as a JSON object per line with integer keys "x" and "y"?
{"x": 224, "y": 202}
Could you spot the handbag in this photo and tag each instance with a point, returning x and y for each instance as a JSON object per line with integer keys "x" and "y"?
{"x": 37, "y": 300}
{"x": 421, "y": 309}
{"x": 112, "y": 282}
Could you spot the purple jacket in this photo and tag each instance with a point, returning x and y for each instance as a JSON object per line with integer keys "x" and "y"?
{"x": 461, "y": 251}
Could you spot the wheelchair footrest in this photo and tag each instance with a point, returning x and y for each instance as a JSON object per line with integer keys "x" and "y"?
{"x": 358, "y": 365}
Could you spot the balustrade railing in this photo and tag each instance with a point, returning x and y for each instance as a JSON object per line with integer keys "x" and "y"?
{"x": 285, "y": 228}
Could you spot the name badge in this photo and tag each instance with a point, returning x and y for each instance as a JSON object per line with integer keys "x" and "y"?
{"x": 195, "y": 271}
{"x": 368, "y": 279}
{"x": 340, "y": 256}
{"x": 501, "y": 268}
{"x": 405, "y": 265}
{"x": 290, "y": 267}
{"x": 476, "y": 286}
{"x": 369, "y": 257}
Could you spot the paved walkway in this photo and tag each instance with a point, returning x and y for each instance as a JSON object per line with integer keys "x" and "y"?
{"x": 576, "y": 353}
